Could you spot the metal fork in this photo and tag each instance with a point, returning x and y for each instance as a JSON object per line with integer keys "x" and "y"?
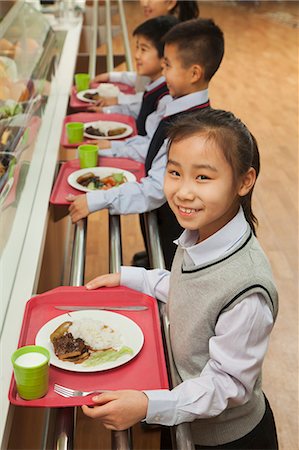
{"x": 67, "y": 392}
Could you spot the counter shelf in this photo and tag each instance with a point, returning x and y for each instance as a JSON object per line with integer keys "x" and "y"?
{"x": 93, "y": 117}
{"x": 146, "y": 371}
{"x": 62, "y": 188}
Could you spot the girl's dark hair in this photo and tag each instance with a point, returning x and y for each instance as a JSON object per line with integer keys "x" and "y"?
{"x": 232, "y": 136}
{"x": 198, "y": 41}
{"x": 185, "y": 10}
{"x": 154, "y": 30}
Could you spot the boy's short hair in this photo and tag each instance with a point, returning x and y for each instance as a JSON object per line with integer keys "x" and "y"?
{"x": 198, "y": 41}
{"x": 154, "y": 30}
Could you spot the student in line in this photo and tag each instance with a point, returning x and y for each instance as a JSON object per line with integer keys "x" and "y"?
{"x": 192, "y": 54}
{"x": 183, "y": 10}
{"x": 221, "y": 297}
{"x": 149, "y": 58}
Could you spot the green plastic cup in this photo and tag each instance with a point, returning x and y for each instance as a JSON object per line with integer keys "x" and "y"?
{"x": 82, "y": 81}
{"x": 31, "y": 371}
{"x": 88, "y": 155}
{"x": 75, "y": 132}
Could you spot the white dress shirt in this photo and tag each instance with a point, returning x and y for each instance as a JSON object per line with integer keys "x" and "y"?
{"x": 236, "y": 351}
{"x": 128, "y": 104}
{"x": 134, "y": 197}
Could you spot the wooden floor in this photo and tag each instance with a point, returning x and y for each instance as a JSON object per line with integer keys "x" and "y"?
{"x": 258, "y": 81}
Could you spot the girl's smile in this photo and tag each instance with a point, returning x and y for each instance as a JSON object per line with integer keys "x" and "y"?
{"x": 199, "y": 185}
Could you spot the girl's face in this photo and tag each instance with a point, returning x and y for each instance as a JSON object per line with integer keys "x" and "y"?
{"x": 199, "y": 186}
{"x": 147, "y": 59}
{"x": 178, "y": 78}
{"x": 155, "y": 8}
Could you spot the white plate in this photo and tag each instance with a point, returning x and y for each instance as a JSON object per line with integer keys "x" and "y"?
{"x": 104, "y": 90}
{"x": 130, "y": 331}
{"x": 101, "y": 172}
{"x": 106, "y": 125}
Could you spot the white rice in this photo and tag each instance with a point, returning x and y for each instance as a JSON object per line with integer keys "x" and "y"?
{"x": 96, "y": 334}
{"x": 108, "y": 90}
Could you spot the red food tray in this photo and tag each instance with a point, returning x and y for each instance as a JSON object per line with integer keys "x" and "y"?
{"x": 75, "y": 103}
{"x": 61, "y": 187}
{"x": 92, "y": 117}
{"x": 146, "y": 371}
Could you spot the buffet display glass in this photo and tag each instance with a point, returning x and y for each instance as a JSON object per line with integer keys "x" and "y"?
{"x": 29, "y": 55}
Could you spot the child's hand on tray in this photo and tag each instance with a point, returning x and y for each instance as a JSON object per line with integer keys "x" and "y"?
{"x": 103, "y": 144}
{"x": 110, "y": 280}
{"x": 118, "y": 410}
{"x": 79, "y": 207}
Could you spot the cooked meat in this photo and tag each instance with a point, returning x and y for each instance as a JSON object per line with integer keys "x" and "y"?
{"x": 66, "y": 347}
{"x": 91, "y": 96}
{"x": 94, "y": 131}
{"x": 116, "y": 131}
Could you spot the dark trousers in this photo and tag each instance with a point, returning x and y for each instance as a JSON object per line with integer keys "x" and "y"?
{"x": 262, "y": 437}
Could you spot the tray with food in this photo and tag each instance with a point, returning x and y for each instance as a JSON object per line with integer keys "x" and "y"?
{"x": 100, "y": 126}
{"x": 94, "y": 348}
{"x": 82, "y": 100}
{"x": 112, "y": 172}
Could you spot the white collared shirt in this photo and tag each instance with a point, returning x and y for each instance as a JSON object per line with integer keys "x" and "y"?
{"x": 236, "y": 351}
{"x": 134, "y": 198}
{"x": 130, "y": 104}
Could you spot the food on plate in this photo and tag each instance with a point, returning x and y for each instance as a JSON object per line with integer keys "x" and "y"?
{"x": 87, "y": 339}
{"x": 93, "y": 182}
{"x": 116, "y": 131}
{"x": 92, "y": 96}
{"x": 108, "y": 90}
{"x": 9, "y": 109}
{"x": 101, "y": 131}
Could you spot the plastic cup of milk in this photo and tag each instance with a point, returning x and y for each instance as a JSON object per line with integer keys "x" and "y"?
{"x": 31, "y": 371}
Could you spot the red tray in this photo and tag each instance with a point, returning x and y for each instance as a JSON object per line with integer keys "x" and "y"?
{"x": 61, "y": 187}
{"x": 75, "y": 103}
{"x": 92, "y": 117}
{"x": 146, "y": 371}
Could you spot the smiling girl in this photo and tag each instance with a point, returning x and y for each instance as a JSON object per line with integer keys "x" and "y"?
{"x": 221, "y": 297}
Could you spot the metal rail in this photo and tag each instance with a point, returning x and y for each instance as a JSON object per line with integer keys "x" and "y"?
{"x": 125, "y": 35}
{"x": 94, "y": 41}
{"x": 109, "y": 55}
{"x": 181, "y": 434}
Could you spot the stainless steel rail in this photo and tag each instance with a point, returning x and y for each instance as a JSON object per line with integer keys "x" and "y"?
{"x": 59, "y": 423}
{"x": 125, "y": 35}
{"x": 94, "y": 40}
{"x": 181, "y": 434}
{"x": 109, "y": 55}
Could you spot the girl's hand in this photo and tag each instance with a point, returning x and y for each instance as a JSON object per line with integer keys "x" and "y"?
{"x": 79, "y": 207}
{"x": 94, "y": 108}
{"x": 102, "y": 144}
{"x": 110, "y": 280}
{"x": 101, "y": 78}
{"x": 118, "y": 410}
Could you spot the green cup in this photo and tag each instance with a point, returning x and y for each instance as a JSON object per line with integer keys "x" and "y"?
{"x": 82, "y": 81}
{"x": 75, "y": 132}
{"x": 88, "y": 155}
{"x": 31, "y": 371}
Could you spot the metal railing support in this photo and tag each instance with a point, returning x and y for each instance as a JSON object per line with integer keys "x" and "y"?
{"x": 181, "y": 434}
{"x": 120, "y": 440}
{"x": 125, "y": 35}
{"x": 94, "y": 41}
{"x": 109, "y": 55}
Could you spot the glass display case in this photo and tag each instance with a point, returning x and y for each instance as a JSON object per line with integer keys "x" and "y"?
{"x": 29, "y": 54}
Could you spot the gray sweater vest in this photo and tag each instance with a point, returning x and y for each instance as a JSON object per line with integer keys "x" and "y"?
{"x": 198, "y": 295}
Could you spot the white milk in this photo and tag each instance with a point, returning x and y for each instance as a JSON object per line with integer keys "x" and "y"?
{"x": 31, "y": 359}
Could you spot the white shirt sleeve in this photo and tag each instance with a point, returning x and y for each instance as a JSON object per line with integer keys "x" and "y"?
{"x": 128, "y": 78}
{"x": 134, "y": 197}
{"x": 236, "y": 355}
{"x": 126, "y": 109}
{"x": 151, "y": 282}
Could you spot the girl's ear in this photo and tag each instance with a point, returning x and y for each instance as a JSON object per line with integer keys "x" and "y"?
{"x": 171, "y": 4}
{"x": 247, "y": 182}
{"x": 196, "y": 73}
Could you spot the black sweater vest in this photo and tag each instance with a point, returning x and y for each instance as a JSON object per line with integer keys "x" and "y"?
{"x": 149, "y": 104}
{"x": 169, "y": 228}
